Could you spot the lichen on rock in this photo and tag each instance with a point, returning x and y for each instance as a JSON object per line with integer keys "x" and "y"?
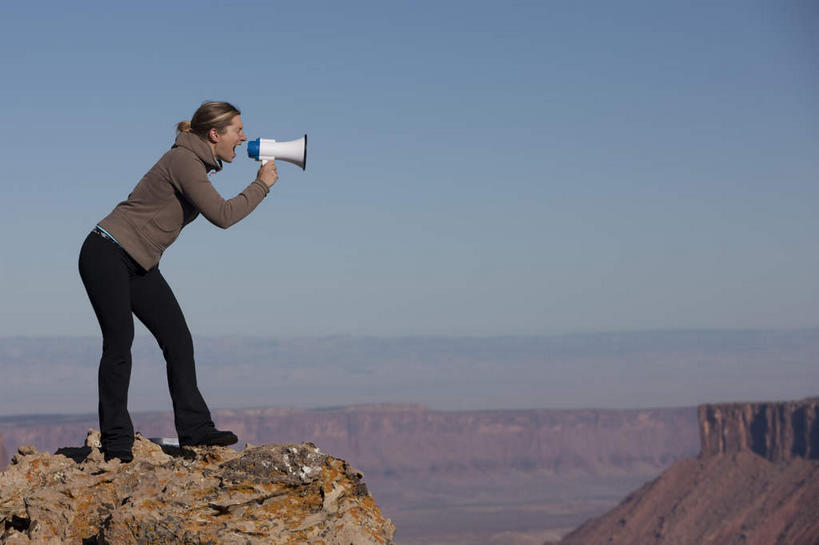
{"x": 273, "y": 494}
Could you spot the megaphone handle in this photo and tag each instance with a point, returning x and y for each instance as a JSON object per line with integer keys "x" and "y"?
{"x": 264, "y": 161}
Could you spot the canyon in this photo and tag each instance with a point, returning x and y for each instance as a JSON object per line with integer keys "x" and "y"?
{"x": 732, "y": 473}
{"x": 481, "y": 477}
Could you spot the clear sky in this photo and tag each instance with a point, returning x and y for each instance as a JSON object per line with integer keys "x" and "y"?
{"x": 474, "y": 168}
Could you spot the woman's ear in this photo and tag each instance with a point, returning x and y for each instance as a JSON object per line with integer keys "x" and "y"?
{"x": 213, "y": 135}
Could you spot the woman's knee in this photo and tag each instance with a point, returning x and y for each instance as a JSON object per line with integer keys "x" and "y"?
{"x": 118, "y": 339}
{"x": 179, "y": 346}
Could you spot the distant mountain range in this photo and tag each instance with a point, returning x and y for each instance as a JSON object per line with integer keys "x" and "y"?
{"x": 412, "y": 440}
{"x": 604, "y": 370}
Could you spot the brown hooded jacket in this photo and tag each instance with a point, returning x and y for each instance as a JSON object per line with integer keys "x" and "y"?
{"x": 171, "y": 195}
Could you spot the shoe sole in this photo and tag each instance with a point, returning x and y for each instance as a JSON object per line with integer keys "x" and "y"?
{"x": 215, "y": 443}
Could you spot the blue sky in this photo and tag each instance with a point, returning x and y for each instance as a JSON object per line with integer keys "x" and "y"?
{"x": 475, "y": 168}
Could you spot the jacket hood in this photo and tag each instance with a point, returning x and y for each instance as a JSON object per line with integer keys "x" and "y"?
{"x": 200, "y": 147}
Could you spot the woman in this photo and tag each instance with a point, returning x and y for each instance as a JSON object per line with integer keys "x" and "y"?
{"x": 119, "y": 266}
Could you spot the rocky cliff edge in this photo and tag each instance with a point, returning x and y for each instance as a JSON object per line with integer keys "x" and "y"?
{"x": 3, "y": 455}
{"x": 272, "y": 494}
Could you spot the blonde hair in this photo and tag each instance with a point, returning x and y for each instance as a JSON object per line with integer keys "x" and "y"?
{"x": 210, "y": 115}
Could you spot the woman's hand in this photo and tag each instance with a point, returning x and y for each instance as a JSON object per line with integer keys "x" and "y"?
{"x": 267, "y": 174}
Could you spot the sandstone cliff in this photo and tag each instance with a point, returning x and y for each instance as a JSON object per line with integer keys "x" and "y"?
{"x": 273, "y": 494}
{"x": 411, "y": 440}
{"x": 756, "y": 482}
{"x": 775, "y": 431}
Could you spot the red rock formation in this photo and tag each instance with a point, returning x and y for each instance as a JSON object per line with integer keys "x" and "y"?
{"x": 411, "y": 440}
{"x": 776, "y": 431}
{"x": 756, "y": 482}
{"x": 414, "y": 440}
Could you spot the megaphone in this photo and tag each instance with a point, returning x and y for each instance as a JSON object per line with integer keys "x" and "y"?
{"x": 267, "y": 149}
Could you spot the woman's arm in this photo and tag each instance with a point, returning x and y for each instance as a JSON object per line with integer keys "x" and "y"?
{"x": 192, "y": 180}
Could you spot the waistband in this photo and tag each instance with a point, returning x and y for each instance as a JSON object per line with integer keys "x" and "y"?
{"x": 105, "y": 234}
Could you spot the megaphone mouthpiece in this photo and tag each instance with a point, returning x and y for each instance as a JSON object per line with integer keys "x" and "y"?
{"x": 267, "y": 149}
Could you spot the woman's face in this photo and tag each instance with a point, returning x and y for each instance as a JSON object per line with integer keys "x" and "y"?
{"x": 224, "y": 145}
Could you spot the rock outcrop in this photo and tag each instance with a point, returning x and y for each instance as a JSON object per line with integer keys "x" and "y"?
{"x": 756, "y": 482}
{"x": 272, "y": 494}
{"x": 775, "y": 431}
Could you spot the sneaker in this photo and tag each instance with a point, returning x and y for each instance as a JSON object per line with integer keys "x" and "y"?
{"x": 124, "y": 456}
{"x": 213, "y": 438}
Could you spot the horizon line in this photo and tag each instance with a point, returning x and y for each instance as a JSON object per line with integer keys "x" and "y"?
{"x": 804, "y": 329}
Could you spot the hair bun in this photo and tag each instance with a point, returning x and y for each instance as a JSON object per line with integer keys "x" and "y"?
{"x": 183, "y": 126}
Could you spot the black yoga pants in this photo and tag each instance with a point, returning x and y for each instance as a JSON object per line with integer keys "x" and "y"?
{"x": 119, "y": 288}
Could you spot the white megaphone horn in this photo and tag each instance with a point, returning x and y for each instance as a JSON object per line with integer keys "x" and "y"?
{"x": 267, "y": 149}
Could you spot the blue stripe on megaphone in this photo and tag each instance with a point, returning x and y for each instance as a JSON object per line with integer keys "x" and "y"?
{"x": 253, "y": 149}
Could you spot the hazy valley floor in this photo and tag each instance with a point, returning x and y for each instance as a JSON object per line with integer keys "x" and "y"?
{"x": 501, "y": 509}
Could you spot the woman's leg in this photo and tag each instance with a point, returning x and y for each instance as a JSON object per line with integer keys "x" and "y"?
{"x": 106, "y": 278}
{"x": 154, "y": 304}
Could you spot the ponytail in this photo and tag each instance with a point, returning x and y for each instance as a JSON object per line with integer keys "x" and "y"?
{"x": 210, "y": 115}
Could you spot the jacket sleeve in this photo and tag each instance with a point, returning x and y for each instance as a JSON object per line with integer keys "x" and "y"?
{"x": 191, "y": 179}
